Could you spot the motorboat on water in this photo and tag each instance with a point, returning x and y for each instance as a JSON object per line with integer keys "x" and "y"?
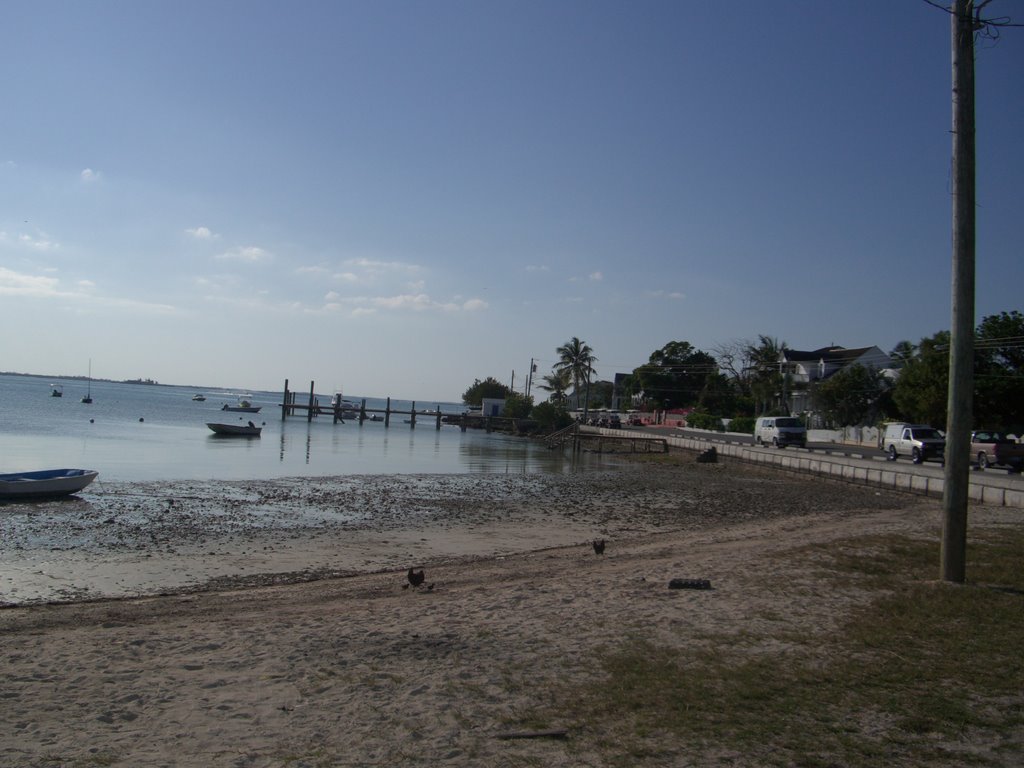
{"x": 199, "y": 398}
{"x": 348, "y": 409}
{"x": 45, "y": 483}
{"x": 56, "y": 390}
{"x": 244, "y": 405}
{"x": 235, "y": 430}
{"x": 337, "y": 400}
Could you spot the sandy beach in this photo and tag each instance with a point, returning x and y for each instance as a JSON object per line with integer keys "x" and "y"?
{"x": 272, "y": 624}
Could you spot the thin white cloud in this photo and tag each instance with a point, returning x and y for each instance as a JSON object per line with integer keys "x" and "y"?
{"x": 41, "y": 243}
{"x": 332, "y": 296}
{"x": 18, "y": 284}
{"x": 136, "y": 306}
{"x": 537, "y": 268}
{"x": 418, "y": 302}
{"x": 89, "y": 175}
{"x": 201, "y": 233}
{"x": 380, "y": 266}
{"x": 319, "y": 270}
{"x": 39, "y": 287}
{"x": 409, "y": 302}
{"x": 249, "y": 253}
{"x": 596, "y": 276}
{"x": 674, "y": 295}
{"x": 216, "y": 282}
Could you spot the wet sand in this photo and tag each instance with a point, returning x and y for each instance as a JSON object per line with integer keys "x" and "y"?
{"x": 137, "y": 539}
{"x": 263, "y": 656}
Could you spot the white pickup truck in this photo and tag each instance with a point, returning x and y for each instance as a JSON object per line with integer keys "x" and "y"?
{"x": 918, "y": 441}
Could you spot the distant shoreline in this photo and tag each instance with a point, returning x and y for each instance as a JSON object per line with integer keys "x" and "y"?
{"x": 55, "y": 378}
{"x": 146, "y": 382}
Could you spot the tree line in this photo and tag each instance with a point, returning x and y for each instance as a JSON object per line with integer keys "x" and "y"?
{"x": 742, "y": 379}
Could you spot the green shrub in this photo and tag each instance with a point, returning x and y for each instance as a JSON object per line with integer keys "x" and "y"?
{"x": 518, "y": 406}
{"x": 742, "y": 424}
{"x": 699, "y": 420}
{"x": 550, "y": 417}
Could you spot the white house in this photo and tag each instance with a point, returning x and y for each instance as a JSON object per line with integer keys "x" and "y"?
{"x": 804, "y": 368}
{"x": 492, "y": 406}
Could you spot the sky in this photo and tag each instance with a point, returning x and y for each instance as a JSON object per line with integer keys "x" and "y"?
{"x": 399, "y": 198}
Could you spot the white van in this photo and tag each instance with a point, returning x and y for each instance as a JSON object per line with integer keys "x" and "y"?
{"x": 918, "y": 441}
{"x": 780, "y": 431}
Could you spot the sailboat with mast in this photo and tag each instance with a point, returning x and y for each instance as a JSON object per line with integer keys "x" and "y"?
{"x": 88, "y": 392}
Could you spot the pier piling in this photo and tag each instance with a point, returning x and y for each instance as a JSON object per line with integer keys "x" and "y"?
{"x": 290, "y": 406}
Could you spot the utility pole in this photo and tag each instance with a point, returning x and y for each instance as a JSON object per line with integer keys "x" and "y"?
{"x": 960, "y": 406}
{"x": 586, "y": 401}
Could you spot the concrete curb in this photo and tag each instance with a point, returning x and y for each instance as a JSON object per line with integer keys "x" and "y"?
{"x": 924, "y": 480}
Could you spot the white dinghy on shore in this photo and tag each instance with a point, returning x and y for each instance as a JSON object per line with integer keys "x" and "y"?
{"x": 45, "y": 483}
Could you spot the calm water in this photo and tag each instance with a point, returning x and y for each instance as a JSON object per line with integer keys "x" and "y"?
{"x": 157, "y": 432}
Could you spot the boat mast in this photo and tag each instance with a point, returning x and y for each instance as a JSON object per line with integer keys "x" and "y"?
{"x": 88, "y": 392}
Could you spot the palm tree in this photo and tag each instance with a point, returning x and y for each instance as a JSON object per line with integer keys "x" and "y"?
{"x": 767, "y": 380}
{"x": 903, "y": 353}
{"x": 557, "y": 383}
{"x": 577, "y": 358}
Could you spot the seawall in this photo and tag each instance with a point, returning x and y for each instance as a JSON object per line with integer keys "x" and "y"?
{"x": 993, "y": 487}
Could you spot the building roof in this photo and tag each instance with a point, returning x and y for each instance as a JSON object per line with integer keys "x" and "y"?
{"x": 828, "y": 354}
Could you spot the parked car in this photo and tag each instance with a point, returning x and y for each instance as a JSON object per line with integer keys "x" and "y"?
{"x": 918, "y": 441}
{"x": 780, "y": 431}
{"x": 994, "y": 448}
{"x": 634, "y": 421}
{"x": 614, "y": 422}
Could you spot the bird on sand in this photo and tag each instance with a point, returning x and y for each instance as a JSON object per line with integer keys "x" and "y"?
{"x": 599, "y": 546}
{"x": 416, "y": 577}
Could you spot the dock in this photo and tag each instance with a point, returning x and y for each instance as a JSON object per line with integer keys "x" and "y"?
{"x": 296, "y": 404}
{"x": 339, "y": 412}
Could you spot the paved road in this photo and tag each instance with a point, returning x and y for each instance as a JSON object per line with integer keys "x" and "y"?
{"x": 833, "y": 449}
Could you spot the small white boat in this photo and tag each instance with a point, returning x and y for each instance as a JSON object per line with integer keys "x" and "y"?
{"x": 346, "y": 408}
{"x": 199, "y": 398}
{"x": 244, "y": 405}
{"x": 45, "y": 483}
{"x": 235, "y": 430}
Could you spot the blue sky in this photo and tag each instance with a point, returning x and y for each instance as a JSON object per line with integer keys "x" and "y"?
{"x": 397, "y": 198}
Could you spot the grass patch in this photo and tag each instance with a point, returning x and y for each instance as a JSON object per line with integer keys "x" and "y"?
{"x": 924, "y": 673}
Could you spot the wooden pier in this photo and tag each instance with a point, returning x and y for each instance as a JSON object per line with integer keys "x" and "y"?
{"x": 290, "y": 406}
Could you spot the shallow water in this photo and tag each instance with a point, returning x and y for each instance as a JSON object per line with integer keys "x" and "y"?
{"x": 134, "y": 432}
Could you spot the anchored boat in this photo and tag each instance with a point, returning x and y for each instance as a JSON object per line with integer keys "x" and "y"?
{"x": 235, "y": 430}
